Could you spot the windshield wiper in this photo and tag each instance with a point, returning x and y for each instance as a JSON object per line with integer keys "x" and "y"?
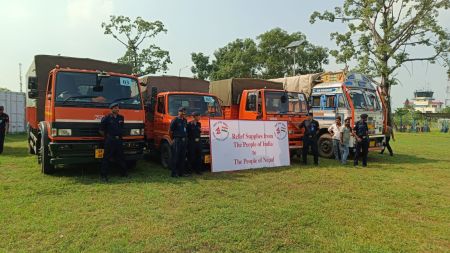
{"x": 122, "y": 99}
{"x": 75, "y": 97}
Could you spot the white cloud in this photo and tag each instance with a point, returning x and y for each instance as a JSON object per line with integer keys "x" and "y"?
{"x": 88, "y": 11}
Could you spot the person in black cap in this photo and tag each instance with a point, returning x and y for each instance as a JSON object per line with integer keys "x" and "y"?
{"x": 178, "y": 133}
{"x": 311, "y": 133}
{"x": 4, "y": 126}
{"x": 194, "y": 144}
{"x": 361, "y": 132}
{"x": 111, "y": 127}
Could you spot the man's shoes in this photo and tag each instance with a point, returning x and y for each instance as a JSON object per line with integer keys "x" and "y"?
{"x": 391, "y": 154}
{"x": 364, "y": 165}
{"x": 186, "y": 175}
{"x": 173, "y": 175}
{"x": 105, "y": 179}
{"x": 124, "y": 175}
{"x": 198, "y": 172}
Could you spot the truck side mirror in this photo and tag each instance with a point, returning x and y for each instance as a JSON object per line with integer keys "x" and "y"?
{"x": 32, "y": 83}
{"x": 32, "y": 94}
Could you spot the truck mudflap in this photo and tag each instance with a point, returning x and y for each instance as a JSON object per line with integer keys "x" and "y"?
{"x": 85, "y": 152}
{"x": 376, "y": 142}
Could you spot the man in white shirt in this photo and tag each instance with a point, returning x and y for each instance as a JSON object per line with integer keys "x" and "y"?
{"x": 335, "y": 131}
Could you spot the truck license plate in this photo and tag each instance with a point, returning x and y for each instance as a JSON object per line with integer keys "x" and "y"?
{"x": 207, "y": 159}
{"x": 372, "y": 144}
{"x": 99, "y": 153}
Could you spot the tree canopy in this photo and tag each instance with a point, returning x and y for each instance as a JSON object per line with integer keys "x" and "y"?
{"x": 265, "y": 57}
{"x": 132, "y": 34}
{"x": 384, "y": 35}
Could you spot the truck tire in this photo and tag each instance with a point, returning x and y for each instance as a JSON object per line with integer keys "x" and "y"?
{"x": 166, "y": 155}
{"x": 46, "y": 167}
{"x": 30, "y": 148}
{"x": 325, "y": 146}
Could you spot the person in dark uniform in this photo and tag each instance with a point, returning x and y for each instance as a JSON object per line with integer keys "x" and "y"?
{"x": 4, "y": 127}
{"x": 311, "y": 133}
{"x": 111, "y": 127}
{"x": 361, "y": 132}
{"x": 194, "y": 144}
{"x": 178, "y": 133}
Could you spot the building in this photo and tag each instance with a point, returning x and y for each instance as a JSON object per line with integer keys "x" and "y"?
{"x": 424, "y": 102}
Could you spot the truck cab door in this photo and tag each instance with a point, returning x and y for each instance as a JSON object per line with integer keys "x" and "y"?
{"x": 340, "y": 106}
{"x": 49, "y": 99}
{"x": 158, "y": 118}
{"x": 249, "y": 109}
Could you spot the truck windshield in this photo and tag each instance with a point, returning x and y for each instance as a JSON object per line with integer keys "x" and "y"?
{"x": 78, "y": 89}
{"x": 358, "y": 99}
{"x": 374, "y": 102}
{"x": 278, "y": 102}
{"x": 204, "y": 105}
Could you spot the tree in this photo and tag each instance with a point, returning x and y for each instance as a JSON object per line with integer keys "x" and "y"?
{"x": 277, "y": 61}
{"x": 202, "y": 68}
{"x": 384, "y": 35}
{"x": 132, "y": 34}
{"x": 2, "y": 89}
{"x": 265, "y": 58}
{"x": 446, "y": 109}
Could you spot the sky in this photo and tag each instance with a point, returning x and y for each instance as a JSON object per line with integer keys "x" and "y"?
{"x": 73, "y": 28}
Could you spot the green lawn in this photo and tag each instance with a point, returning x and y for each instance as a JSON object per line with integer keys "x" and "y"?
{"x": 397, "y": 204}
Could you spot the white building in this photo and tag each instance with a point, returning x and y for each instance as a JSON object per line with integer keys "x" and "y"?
{"x": 424, "y": 102}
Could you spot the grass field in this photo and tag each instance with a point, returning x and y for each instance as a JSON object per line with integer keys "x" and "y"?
{"x": 397, "y": 204}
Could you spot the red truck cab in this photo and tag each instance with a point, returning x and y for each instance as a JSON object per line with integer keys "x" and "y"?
{"x": 165, "y": 95}
{"x": 67, "y": 98}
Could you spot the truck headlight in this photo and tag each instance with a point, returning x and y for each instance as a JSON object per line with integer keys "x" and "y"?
{"x": 135, "y": 132}
{"x": 64, "y": 132}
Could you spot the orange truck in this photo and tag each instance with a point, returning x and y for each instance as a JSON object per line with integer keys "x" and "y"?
{"x": 163, "y": 96}
{"x": 256, "y": 99}
{"x": 66, "y": 99}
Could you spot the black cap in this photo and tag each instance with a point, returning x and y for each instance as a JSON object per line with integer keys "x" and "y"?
{"x": 181, "y": 109}
{"x": 195, "y": 114}
{"x": 1, "y": 107}
{"x": 364, "y": 116}
{"x": 112, "y": 105}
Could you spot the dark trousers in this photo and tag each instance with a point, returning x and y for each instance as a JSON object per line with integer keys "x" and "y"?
{"x": 2, "y": 139}
{"x": 310, "y": 142}
{"x": 386, "y": 145}
{"x": 361, "y": 149}
{"x": 195, "y": 155}
{"x": 113, "y": 149}
{"x": 178, "y": 156}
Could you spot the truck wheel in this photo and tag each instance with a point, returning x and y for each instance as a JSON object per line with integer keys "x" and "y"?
{"x": 46, "y": 167}
{"x": 325, "y": 146}
{"x": 166, "y": 155}
{"x": 30, "y": 148}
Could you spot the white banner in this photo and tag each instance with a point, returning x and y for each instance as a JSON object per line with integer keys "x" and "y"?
{"x": 246, "y": 144}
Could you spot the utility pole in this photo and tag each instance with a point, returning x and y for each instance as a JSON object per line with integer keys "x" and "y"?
{"x": 20, "y": 76}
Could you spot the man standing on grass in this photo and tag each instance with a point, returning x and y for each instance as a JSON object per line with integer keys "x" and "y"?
{"x": 361, "y": 132}
{"x": 311, "y": 133}
{"x": 4, "y": 127}
{"x": 335, "y": 131}
{"x": 178, "y": 133}
{"x": 389, "y": 132}
{"x": 111, "y": 127}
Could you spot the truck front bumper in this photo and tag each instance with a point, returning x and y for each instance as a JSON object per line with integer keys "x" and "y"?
{"x": 376, "y": 142}
{"x": 84, "y": 152}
